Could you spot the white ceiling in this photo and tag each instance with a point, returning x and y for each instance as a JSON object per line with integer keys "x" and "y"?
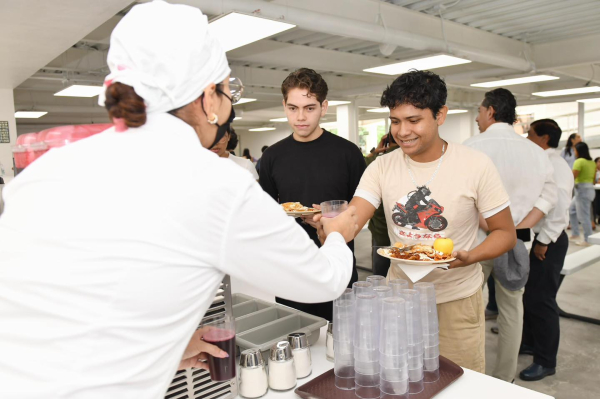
{"x": 338, "y": 38}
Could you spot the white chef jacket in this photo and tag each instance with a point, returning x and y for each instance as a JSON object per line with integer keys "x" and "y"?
{"x": 111, "y": 251}
{"x": 524, "y": 167}
{"x": 552, "y": 225}
{"x": 246, "y": 164}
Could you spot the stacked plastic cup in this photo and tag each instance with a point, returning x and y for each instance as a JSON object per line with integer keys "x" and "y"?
{"x": 393, "y": 350}
{"x": 430, "y": 326}
{"x": 344, "y": 315}
{"x": 376, "y": 280}
{"x": 362, "y": 287}
{"x": 398, "y": 285}
{"x": 415, "y": 340}
{"x": 366, "y": 346}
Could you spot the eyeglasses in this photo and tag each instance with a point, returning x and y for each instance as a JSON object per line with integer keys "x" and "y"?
{"x": 237, "y": 89}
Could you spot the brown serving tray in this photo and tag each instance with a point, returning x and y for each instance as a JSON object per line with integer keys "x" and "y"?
{"x": 323, "y": 386}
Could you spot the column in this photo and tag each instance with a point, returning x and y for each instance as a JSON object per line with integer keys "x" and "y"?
{"x": 7, "y": 114}
{"x": 347, "y": 121}
{"x": 581, "y": 120}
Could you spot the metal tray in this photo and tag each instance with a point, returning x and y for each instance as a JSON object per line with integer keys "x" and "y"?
{"x": 260, "y": 324}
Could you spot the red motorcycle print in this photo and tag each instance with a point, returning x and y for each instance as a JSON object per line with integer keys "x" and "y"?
{"x": 419, "y": 212}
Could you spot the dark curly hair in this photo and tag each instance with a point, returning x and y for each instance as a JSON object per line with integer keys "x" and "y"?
{"x": 305, "y": 78}
{"x": 233, "y": 139}
{"x": 504, "y": 104}
{"x": 421, "y": 89}
{"x": 548, "y": 127}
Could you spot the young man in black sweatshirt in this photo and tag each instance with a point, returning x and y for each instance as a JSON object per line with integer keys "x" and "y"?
{"x": 311, "y": 165}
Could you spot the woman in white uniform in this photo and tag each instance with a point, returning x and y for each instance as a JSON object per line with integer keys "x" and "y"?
{"x": 112, "y": 248}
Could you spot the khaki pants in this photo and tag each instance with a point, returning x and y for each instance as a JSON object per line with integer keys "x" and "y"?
{"x": 510, "y": 326}
{"x": 462, "y": 332}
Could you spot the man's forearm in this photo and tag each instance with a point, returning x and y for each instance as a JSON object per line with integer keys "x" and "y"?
{"x": 531, "y": 219}
{"x": 496, "y": 243}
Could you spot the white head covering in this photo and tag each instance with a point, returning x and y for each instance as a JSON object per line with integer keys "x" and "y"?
{"x": 166, "y": 53}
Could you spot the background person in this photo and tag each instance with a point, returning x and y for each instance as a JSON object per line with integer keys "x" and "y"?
{"x": 584, "y": 171}
{"x": 311, "y": 165}
{"x": 541, "y": 327}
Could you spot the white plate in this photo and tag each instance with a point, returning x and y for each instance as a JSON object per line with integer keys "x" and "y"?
{"x": 302, "y": 213}
{"x": 381, "y": 252}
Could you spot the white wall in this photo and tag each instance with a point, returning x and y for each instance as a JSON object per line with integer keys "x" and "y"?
{"x": 7, "y": 113}
{"x": 458, "y": 127}
{"x": 254, "y": 141}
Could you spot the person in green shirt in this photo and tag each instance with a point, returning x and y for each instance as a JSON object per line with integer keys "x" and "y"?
{"x": 377, "y": 224}
{"x": 584, "y": 171}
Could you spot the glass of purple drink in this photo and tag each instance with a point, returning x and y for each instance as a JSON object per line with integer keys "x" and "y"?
{"x": 330, "y": 209}
{"x": 221, "y": 333}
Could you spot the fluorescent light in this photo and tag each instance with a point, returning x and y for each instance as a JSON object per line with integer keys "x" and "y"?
{"x": 29, "y": 114}
{"x": 80, "y": 91}
{"x": 457, "y": 111}
{"x": 278, "y": 120}
{"x": 228, "y": 27}
{"x": 589, "y": 100}
{"x": 516, "y": 81}
{"x": 237, "y": 118}
{"x": 333, "y": 103}
{"x": 245, "y": 100}
{"x": 566, "y": 92}
{"x": 421, "y": 64}
{"x": 379, "y": 110}
{"x": 261, "y": 129}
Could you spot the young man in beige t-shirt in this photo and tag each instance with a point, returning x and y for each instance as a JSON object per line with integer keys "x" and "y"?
{"x": 433, "y": 189}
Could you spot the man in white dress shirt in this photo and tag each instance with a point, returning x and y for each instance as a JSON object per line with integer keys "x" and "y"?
{"x": 541, "y": 328}
{"x": 526, "y": 173}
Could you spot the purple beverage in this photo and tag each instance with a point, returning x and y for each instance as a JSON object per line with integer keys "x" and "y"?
{"x": 221, "y": 369}
{"x": 330, "y": 209}
{"x": 330, "y": 214}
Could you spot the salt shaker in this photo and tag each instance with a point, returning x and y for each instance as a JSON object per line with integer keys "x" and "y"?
{"x": 253, "y": 374}
{"x": 282, "y": 371}
{"x": 301, "y": 353}
{"x": 329, "y": 342}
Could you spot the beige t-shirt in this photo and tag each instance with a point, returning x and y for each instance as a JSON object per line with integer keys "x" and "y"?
{"x": 466, "y": 184}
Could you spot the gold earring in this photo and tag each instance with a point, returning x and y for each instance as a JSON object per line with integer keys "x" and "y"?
{"x": 214, "y": 120}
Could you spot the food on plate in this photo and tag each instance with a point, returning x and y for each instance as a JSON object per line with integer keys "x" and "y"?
{"x": 444, "y": 245}
{"x": 417, "y": 252}
{"x": 399, "y": 245}
{"x": 296, "y": 207}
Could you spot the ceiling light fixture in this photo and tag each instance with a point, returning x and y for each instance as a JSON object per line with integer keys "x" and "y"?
{"x": 237, "y": 118}
{"x": 278, "y": 120}
{"x": 29, "y": 114}
{"x": 421, "y": 64}
{"x": 80, "y": 91}
{"x": 516, "y": 81}
{"x": 566, "y": 92}
{"x": 245, "y": 100}
{"x": 379, "y": 110}
{"x": 227, "y": 29}
{"x": 457, "y": 111}
{"x": 261, "y": 129}
{"x": 333, "y": 103}
{"x": 589, "y": 100}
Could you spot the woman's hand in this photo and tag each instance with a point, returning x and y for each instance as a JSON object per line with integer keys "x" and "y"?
{"x": 197, "y": 351}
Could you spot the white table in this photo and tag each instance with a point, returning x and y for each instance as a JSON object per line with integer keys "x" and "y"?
{"x": 471, "y": 385}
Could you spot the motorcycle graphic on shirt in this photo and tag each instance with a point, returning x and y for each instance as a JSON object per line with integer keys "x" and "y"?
{"x": 419, "y": 211}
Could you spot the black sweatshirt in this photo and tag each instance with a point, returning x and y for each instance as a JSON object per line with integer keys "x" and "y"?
{"x": 328, "y": 168}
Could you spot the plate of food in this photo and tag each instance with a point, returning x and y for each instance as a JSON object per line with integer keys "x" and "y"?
{"x": 418, "y": 254}
{"x": 297, "y": 209}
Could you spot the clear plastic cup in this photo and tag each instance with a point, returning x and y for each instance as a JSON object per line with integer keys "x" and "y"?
{"x": 415, "y": 380}
{"x": 429, "y": 316}
{"x": 376, "y": 280}
{"x": 344, "y": 373}
{"x": 366, "y": 330}
{"x": 362, "y": 287}
{"x": 413, "y": 316}
{"x": 344, "y": 315}
{"x": 393, "y": 339}
{"x": 383, "y": 291}
{"x": 431, "y": 369}
{"x": 397, "y": 285}
{"x": 330, "y": 209}
{"x": 394, "y": 389}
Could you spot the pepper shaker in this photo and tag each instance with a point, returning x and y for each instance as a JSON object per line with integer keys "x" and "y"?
{"x": 282, "y": 371}
{"x": 253, "y": 374}
{"x": 301, "y": 352}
